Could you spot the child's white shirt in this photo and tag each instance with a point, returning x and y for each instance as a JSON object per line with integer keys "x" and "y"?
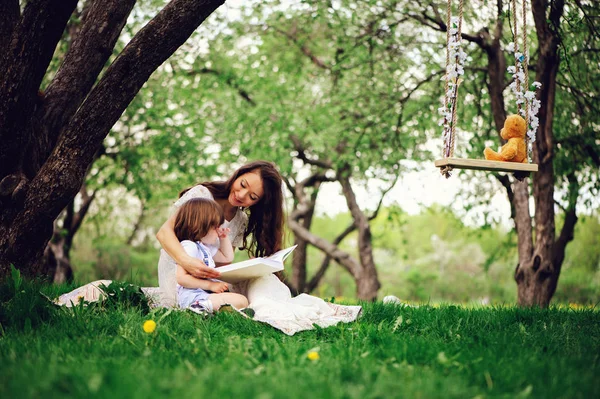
{"x": 198, "y": 250}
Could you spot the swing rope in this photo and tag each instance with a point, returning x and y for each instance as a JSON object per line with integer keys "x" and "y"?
{"x": 448, "y": 15}
{"x": 516, "y": 45}
{"x": 459, "y": 34}
{"x": 451, "y": 100}
{"x": 524, "y": 63}
{"x": 526, "y": 71}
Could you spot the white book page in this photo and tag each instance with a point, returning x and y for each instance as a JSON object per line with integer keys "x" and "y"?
{"x": 253, "y": 268}
{"x": 282, "y": 255}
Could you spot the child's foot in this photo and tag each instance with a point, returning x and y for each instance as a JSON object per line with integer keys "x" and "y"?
{"x": 201, "y": 307}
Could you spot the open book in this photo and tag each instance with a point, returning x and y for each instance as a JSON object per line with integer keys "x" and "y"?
{"x": 253, "y": 268}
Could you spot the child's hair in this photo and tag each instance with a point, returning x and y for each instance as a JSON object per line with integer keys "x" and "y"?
{"x": 196, "y": 217}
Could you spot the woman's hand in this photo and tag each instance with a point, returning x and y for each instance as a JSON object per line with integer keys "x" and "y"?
{"x": 218, "y": 287}
{"x": 198, "y": 269}
{"x": 170, "y": 243}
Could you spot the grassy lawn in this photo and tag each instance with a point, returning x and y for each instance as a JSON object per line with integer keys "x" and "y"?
{"x": 424, "y": 352}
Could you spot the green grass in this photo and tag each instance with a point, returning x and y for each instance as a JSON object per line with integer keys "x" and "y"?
{"x": 425, "y": 352}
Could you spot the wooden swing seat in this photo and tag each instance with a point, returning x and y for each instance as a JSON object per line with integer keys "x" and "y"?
{"x": 482, "y": 164}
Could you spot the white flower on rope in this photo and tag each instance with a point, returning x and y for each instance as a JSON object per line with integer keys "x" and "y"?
{"x": 524, "y": 96}
{"x": 454, "y": 71}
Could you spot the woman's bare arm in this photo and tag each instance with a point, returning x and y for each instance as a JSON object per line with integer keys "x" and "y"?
{"x": 170, "y": 243}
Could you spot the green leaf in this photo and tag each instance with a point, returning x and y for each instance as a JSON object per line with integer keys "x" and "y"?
{"x": 16, "y": 278}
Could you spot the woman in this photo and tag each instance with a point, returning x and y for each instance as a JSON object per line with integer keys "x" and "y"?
{"x": 252, "y": 201}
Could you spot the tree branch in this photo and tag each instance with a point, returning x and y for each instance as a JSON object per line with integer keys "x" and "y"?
{"x": 313, "y": 179}
{"x": 229, "y": 81}
{"x": 67, "y": 165}
{"x": 9, "y": 17}
{"x": 543, "y": 23}
{"x": 405, "y": 98}
{"x": 316, "y": 279}
{"x": 138, "y": 223}
{"x": 383, "y": 194}
{"x": 92, "y": 46}
{"x": 290, "y": 186}
{"x": 582, "y": 98}
{"x": 585, "y": 148}
{"x": 83, "y": 209}
{"x": 438, "y": 24}
{"x": 67, "y": 224}
{"x": 303, "y": 48}
{"x": 302, "y": 155}
{"x": 342, "y": 257}
{"x": 590, "y": 22}
{"x": 22, "y": 70}
{"x": 568, "y": 228}
{"x": 37, "y": 35}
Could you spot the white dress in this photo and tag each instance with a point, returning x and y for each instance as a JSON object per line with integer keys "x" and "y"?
{"x": 270, "y": 299}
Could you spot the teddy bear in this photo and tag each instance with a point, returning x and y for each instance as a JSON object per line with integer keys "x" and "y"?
{"x": 515, "y": 149}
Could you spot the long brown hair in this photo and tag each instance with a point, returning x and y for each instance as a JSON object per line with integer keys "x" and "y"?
{"x": 265, "y": 218}
{"x": 196, "y": 217}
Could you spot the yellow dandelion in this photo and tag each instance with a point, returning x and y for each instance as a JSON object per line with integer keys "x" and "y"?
{"x": 149, "y": 326}
{"x": 313, "y": 355}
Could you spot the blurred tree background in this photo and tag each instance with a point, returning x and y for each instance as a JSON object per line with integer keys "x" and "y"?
{"x": 342, "y": 95}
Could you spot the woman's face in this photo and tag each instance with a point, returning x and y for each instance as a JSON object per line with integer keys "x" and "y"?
{"x": 247, "y": 190}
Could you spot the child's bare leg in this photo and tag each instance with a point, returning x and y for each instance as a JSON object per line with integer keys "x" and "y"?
{"x": 238, "y": 301}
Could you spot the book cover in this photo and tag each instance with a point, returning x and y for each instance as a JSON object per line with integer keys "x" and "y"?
{"x": 253, "y": 268}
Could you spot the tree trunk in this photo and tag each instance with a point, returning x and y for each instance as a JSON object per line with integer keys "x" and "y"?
{"x": 368, "y": 283}
{"x": 363, "y": 272}
{"x": 314, "y": 281}
{"x": 299, "y": 261}
{"x": 62, "y": 144}
{"x": 300, "y": 258}
{"x": 496, "y": 69}
{"x": 138, "y": 224}
{"x": 9, "y": 17}
{"x": 364, "y": 291}
{"x": 57, "y": 260}
{"x": 304, "y": 208}
{"x": 366, "y": 279}
{"x": 57, "y": 256}
{"x": 22, "y": 69}
{"x": 537, "y": 274}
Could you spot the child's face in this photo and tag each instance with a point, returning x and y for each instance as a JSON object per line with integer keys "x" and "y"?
{"x": 211, "y": 237}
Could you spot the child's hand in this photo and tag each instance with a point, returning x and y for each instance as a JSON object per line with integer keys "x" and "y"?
{"x": 222, "y": 232}
{"x": 218, "y": 287}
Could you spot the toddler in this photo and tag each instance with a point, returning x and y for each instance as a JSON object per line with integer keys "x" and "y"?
{"x": 197, "y": 226}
